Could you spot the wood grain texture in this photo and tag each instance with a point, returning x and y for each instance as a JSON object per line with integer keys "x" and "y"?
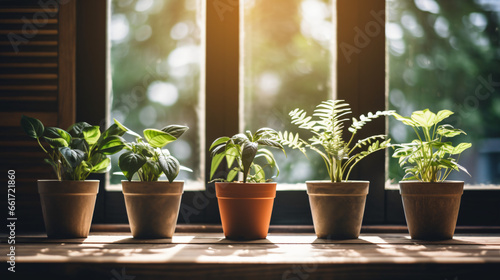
{"x": 37, "y": 79}
{"x": 292, "y": 256}
{"x": 67, "y": 64}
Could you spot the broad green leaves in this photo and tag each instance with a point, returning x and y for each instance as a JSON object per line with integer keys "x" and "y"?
{"x": 111, "y": 145}
{"x": 72, "y": 157}
{"x": 249, "y": 151}
{"x": 146, "y": 158}
{"x": 79, "y": 151}
{"x": 91, "y": 134}
{"x": 241, "y": 152}
{"x": 33, "y": 127}
{"x": 130, "y": 162}
{"x": 175, "y": 130}
{"x": 170, "y": 167}
{"x": 158, "y": 138}
{"x": 57, "y": 137}
{"x": 429, "y": 158}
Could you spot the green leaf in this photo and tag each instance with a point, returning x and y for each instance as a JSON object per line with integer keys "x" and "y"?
{"x": 76, "y": 129}
{"x": 443, "y": 114}
{"x": 424, "y": 118}
{"x": 114, "y": 129}
{"x": 216, "y": 161}
{"x": 232, "y": 174}
{"x": 72, "y": 157}
{"x": 56, "y": 142}
{"x": 111, "y": 145}
{"x": 449, "y": 131}
{"x": 80, "y": 144}
{"x": 158, "y": 138}
{"x": 460, "y": 148}
{"x": 103, "y": 166}
{"x": 247, "y": 155}
{"x": 124, "y": 128}
{"x": 33, "y": 127}
{"x": 232, "y": 153}
{"x": 260, "y": 175}
{"x": 55, "y": 132}
{"x": 405, "y": 120}
{"x": 91, "y": 134}
{"x": 270, "y": 143}
{"x": 175, "y": 130}
{"x": 170, "y": 167}
{"x": 130, "y": 162}
{"x": 219, "y": 141}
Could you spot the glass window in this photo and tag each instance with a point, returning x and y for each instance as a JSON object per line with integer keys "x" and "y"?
{"x": 155, "y": 66}
{"x": 445, "y": 55}
{"x": 287, "y": 63}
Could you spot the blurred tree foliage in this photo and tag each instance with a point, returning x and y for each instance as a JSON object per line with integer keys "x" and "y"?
{"x": 445, "y": 55}
{"x": 287, "y": 58}
{"x": 155, "y": 47}
{"x": 442, "y": 55}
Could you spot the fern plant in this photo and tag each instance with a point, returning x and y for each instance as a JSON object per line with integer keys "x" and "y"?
{"x": 244, "y": 149}
{"x": 327, "y": 125}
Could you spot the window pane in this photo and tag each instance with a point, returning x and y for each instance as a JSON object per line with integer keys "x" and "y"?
{"x": 287, "y": 62}
{"x": 445, "y": 55}
{"x": 155, "y": 61}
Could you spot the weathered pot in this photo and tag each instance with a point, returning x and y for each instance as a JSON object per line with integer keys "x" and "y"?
{"x": 431, "y": 209}
{"x": 68, "y": 207}
{"x": 245, "y": 208}
{"x": 152, "y": 207}
{"x": 337, "y": 208}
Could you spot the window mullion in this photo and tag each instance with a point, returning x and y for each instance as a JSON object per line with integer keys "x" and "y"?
{"x": 221, "y": 71}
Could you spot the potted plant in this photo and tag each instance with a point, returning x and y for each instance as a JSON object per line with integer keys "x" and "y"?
{"x": 68, "y": 202}
{"x": 431, "y": 203}
{"x": 246, "y": 207}
{"x": 337, "y": 205}
{"x": 152, "y": 205}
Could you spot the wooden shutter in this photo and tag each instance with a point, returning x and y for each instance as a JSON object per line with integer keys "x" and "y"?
{"x": 37, "y": 78}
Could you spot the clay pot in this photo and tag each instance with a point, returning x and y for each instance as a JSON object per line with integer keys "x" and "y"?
{"x": 245, "y": 209}
{"x": 68, "y": 207}
{"x": 152, "y": 207}
{"x": 431, "y": 209}
{"x": 337, "y": 208}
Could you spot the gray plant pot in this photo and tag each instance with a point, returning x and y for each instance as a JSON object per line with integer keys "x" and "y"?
{"x": 68, "y": 207}
{"x": 431, "y": 209}
{"x": 152, "y": 207}
{"x": 337, "y": 208}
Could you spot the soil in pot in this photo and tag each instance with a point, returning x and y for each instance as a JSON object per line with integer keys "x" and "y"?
{"x": 337, "y": 208}
{"x": 68, "y": 207}
{"x": 431, "y": 209}
{"x": 152, "y": 207}
{"x": 245, "y": 209}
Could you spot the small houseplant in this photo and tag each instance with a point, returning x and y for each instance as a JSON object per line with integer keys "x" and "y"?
{"x": 68, "y": 202}
{"x": 246, "y": 207}
{"x": 152, "y": 205}
{"x": 431, "y": 203}
{"x": 337, "y": 205}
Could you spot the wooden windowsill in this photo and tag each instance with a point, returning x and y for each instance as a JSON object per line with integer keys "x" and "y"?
{"x": 206, "y": 255}
{"x": 208, "y": 228}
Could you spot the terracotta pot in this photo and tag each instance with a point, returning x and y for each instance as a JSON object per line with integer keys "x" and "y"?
{"x": 337, "y": 208}
{"x": 68, "y": 207}
{"x": 245, "y": 209}
{"x": 152, "y": 207}
{"x": 431, "y": 209}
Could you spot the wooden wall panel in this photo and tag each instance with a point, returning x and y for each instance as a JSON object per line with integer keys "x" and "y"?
{"x": 37, "y": 78}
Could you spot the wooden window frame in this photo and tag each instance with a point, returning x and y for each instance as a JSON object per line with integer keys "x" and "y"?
{"x": 360, "y": 80}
